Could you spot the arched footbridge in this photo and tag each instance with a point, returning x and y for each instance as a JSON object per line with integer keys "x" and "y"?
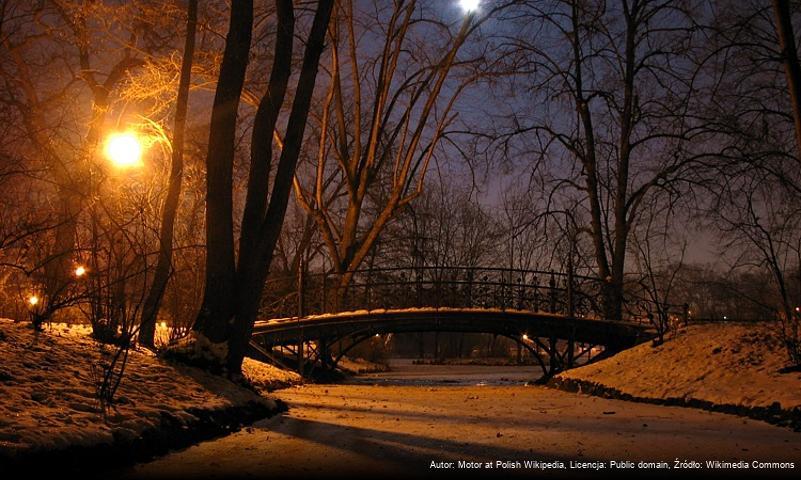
{"x": 557, "y": 317}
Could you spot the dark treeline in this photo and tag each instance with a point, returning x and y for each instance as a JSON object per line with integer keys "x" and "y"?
{"x": 655, "y": 145}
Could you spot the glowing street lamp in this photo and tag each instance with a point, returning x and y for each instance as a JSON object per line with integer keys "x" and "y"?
{"x": 124, "y": 150}
{"x": 469, "y": 6}
{"x": 33, "y": 300}
{"x": 80, "y": 271}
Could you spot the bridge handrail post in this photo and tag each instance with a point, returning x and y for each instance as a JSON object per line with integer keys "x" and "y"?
{"x": 418, "y": 279}
{"x": 503, "y": 291}
{"x": 368, "y": 288}
{"x": 470, "y": 288}
{"x": 301, "y": 311}
{"x": 552, "y": 293}
{"x": 571, "y": 307}
{"x": 324, "y": 300}
{"x": 437, "y": 290}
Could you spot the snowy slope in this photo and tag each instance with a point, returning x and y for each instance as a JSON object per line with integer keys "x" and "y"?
{"x": 47, "y": 391}
{"x": 733, "y": 364}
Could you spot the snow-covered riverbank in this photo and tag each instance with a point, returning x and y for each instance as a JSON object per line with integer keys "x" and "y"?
{"x": 50, "y": 415}
{"x": 733, "y": 368}
{"x": 366, "y": 431}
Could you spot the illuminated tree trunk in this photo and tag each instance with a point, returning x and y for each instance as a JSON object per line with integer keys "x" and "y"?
{"x": 212, "y": 326}
{"x": 164, "y": 266}
{"x": 254, "y": 269}
{"x": 792, "y": 66}
{"x": 232, "y": 295}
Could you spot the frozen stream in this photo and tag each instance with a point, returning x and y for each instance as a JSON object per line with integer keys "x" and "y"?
{"x": 395, "y": 424}
{"x": 404, "y": 372}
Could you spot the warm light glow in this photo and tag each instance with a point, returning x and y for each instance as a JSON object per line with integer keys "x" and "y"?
{"x": 80, "y": 271}
{"x": 163, "y": 324}
{"x": 469, "y": 6}
{"x": 525, "y": 337}
{"x": 124, "y": 149}
{"x": 798, "y": 309}
{"x": 33, "y": 300}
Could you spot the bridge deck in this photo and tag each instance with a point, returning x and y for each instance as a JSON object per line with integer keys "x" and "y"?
{"x": 508, "y": 322}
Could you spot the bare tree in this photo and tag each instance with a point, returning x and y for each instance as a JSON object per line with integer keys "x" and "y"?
{"x": 381, "y": 132}
{"x": 162, "y": 273}
{"x": 764, "y": 228}
{"x": 755, "y": 66}
{"x": 233, "y": 290}
{"x": 80, "y": 93}
{"x": 659, "y": 251}
{"x": 618, "y": 76}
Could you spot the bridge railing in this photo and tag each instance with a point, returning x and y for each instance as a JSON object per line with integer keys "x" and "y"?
{"x": 418, "y": 287}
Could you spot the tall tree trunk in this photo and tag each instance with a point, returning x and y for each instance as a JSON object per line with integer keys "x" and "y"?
{"x": 150, "y": 309}
{"x": 792, "y": 67}
{"x": 610, "y": 291}
{"x": 262, "y": 138}
{"x": 621, "y": 208}
{"x": 250, "y": 281}
{"x": 213, "y": 323}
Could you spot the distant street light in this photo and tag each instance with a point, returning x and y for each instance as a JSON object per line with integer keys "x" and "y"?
{"x": 124, "y": 150}
{"x": 33, "y": 300}
{"x": 469, "y": 6}
{"x": 80, "y": 271}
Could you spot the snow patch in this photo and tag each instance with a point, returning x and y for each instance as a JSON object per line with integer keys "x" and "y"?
{"x": 48, "y": 400}
{"x": 734, "y": 364}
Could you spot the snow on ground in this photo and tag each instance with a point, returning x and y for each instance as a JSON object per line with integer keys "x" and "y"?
{"x": 395, "y": 311}
{"x": 359, "y": 365}
{"x": 734, "y": 364}
{"x": 266, "y": 377}
{"x": 347, "y": 431}
{"x": 48, "y": 400}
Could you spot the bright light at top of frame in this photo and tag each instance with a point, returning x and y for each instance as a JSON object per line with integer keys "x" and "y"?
{"x": 469, "y": 6}
{"x": 124, "y": 149}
